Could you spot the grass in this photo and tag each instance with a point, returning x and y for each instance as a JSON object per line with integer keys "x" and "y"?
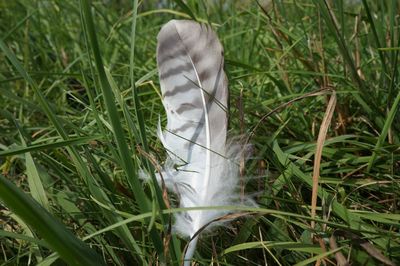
{"x": 313, "y": 86}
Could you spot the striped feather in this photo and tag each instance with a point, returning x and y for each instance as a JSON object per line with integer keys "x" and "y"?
{"x": 195, "y": 97}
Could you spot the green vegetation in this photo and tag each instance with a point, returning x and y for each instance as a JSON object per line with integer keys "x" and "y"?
{"x": 314, "y": 88}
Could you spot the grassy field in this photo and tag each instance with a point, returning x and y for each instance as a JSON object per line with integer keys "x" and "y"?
{"x": 314, "y": 88}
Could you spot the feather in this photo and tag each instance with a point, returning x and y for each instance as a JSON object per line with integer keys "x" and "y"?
{"x": 195, "y": 97}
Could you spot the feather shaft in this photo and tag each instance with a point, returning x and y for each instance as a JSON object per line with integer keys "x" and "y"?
{"x": 190, "y": 251}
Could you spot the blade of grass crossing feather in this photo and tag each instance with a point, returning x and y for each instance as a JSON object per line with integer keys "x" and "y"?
{"x": 70, "y": 248}
{"x": 119, "y": 135}
{"x": 385, "y": 130}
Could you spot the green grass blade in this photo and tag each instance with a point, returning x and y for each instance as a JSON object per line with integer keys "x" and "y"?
{"x": 138, "y": 112}
{"x": 77, "y": 160}
{"x": 42, "y": 101}
{"x": 185, "y": 8}
{"x": 159, "y": 202}
{"x": 318, "y": 257}
{"x": 364, "y": 99}
{"x": 292, "y": 246}
{"x": 385, "y": 130}
{"x": 35, "y": 184}
{"x": 114, "y": 118}
{"x": 48, "y": 146}
{"x": 34, "y": 181}
{"x": 58, "y": 237}
{"x": 24, "y": 237}
{"x": 375, "y": 35}
{"x": 119, "y": 136}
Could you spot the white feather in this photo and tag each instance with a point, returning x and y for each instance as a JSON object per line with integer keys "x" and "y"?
{"x": 195, "y": 96}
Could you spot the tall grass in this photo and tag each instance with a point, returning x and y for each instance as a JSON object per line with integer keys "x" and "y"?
{"x": 313, "y": 87}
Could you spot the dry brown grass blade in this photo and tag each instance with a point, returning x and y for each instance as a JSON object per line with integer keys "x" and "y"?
{"x": 318, "y": 153}
{"x": 365, "y": 244}
{"x": 340, "y": 258}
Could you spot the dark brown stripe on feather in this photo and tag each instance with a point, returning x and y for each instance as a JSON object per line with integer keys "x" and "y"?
{"x": 182, "y": 128}
{"x": 175, "y": 71}
{"x": 196, "y": 58}
{"x": 185, "y": 107}
{"x": 168, "y": 54}
{"x": 189, "y": 125}
{"x": 189, "y": 85}
{"x": 204, "y": 75}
